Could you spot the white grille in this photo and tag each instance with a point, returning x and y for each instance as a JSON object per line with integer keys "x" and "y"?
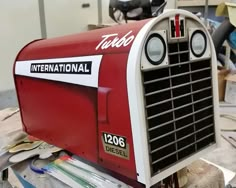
{"x": 179, "y": 108}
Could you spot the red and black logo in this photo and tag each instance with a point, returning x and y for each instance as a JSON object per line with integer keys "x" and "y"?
{"x": 177, "y": 27}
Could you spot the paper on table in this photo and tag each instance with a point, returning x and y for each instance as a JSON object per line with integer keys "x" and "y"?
{"x": 78, "y": 162}
{"x": 85, "y": 177}
{"x": 228, "y": 175}
{"x": 62, "y": 177}
{"x": 44, "y": 151}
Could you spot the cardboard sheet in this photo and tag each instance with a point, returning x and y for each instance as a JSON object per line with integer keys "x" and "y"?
{"x": 227, "y": 10}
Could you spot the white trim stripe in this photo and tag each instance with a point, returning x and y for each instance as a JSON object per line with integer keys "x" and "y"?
{"x": 134, "y": 87}
{"x": 24, "y": 68}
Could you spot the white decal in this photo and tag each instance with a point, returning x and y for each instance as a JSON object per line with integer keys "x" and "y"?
{"x": 112, "y": 40}
{"x": 119, "y": 141}
{"x": 76, "y": 70}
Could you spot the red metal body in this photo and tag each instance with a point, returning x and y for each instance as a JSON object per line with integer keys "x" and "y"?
{"x": 134, "y": 99}
{"x": 74, "y": 116}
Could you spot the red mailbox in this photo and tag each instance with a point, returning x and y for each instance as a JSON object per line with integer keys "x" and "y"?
{"x": 136, "y": 99}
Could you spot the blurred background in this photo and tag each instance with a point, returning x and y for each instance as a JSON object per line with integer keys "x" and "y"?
{"x": 27, "y": 20}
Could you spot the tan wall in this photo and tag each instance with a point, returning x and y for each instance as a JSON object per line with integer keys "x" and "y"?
{"x": 19, "y": 24}
{"x": 171, "y": 4}
{"x": 67, "y": 16}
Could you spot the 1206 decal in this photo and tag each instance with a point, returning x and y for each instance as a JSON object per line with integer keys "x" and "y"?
{"x": 115, "y": 145}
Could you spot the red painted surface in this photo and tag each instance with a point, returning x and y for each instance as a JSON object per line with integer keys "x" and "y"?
{"x": 61, "y": 114}
{"x": 103, "y": 93}
{"x": 72, "y": 116}
{"x": 177, "y": 25}
{"x": 81, "y": 44}
{"x": 118, "y": 122}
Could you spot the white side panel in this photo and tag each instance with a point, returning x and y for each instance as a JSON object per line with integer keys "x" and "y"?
{"x": 61, "y": 69}
{"x": 135, "y": 93}
{"x": 215, "y": 91}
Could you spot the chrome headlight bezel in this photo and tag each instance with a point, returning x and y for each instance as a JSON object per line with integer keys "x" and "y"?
{"x": 161, "y": 41}
{"x": 204, "y": 39}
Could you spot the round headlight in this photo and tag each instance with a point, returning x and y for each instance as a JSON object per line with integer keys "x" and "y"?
{"x": 155, "y": 49}
{"x": 198, "y": 43}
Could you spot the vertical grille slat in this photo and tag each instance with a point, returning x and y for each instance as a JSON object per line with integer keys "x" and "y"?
{"x": 179, "y": 108}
